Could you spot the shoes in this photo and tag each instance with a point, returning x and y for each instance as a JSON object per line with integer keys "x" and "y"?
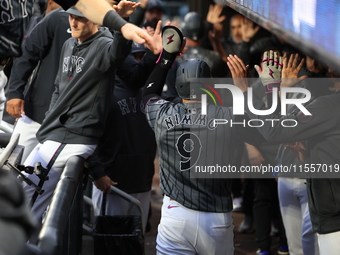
{"x": 283, "y": 250}
{"x": 237, "y": 204}
{"x": 173, "y": 43}
{"x": 259, "y": 252}
{"x": 246, "y": 225}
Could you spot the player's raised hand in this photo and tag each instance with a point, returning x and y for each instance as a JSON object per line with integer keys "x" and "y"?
{"x": 156, "y": 36}
{"x": 291, "y": 69}
{"x": 239, "y": 72}
{"x": 214, "y": 14}
{"x": 137, "y": 34}
{"x": 143, "y": 3}
{"x": 125, "y": 8}
{"x": 270, "y": 73}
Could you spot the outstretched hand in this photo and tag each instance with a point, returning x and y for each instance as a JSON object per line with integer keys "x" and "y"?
{"x": 125, "y": 8}
{"x": 214, "y": 13}
{"x": 137, "y": 34}
{"x": 239, "y": 72}
{"x": 291, "y": 69}
{"x": 156, "y": 36}
{"x": 270, "y": 73}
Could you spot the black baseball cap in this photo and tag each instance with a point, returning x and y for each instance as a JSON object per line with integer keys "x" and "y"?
{"x": 137, "y": 47}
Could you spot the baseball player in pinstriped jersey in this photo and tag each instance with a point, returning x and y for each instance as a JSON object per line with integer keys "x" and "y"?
{"x": 196, "y": 212}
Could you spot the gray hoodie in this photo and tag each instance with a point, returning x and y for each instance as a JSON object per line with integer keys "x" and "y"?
{"x": 83, "y": 89}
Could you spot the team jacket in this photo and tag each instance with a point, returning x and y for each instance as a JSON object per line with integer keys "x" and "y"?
{"x": 83, "y": 89}
{"x": 322, "y": 130}
{"x": 43, "y": 44}
{"x": 127, "y": 149}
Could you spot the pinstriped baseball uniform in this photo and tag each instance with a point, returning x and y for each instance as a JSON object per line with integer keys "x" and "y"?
{"x": 180, "y": 128}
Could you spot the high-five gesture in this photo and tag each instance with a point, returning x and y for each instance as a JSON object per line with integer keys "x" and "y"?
{"x": 125, "y": 8}
{"x": 156, "y": 36}
{"x": 214, "y": 13}
{"x": 270, "y": 73}
{"x": 291, "y": 69}
{"x": 239, "y": 72}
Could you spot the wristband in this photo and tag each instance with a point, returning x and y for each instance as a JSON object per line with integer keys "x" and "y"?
{"x": 113, "y": 20}
{"x": 166, "y": 59}
{"x": 270, "y": 86}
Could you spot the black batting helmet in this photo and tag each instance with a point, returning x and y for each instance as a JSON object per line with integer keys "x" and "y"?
{"x": 193, "y": 26}
{"x": 191, "y": 68}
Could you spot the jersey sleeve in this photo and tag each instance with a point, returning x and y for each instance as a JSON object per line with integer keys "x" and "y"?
{"x": 152, "y": 108}
{"x": 115, "y": 51}
{"x": 120, "y": 48}
{"x": 136, "y": 74}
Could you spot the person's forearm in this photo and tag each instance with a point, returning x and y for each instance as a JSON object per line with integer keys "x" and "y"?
{"x": 218, "y": 47}
{"x": 135, "y": 74}
{"x": 154, "y": 84}
{"x": 101, "y": 13}
{"x": 119, "y": 49}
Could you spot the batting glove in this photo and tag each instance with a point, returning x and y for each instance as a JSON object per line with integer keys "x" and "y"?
{"x": 270, "y": 74}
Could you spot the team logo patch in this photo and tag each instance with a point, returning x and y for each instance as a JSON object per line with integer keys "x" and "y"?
{"x": 302, "y": 118}
{"x": 192, "y": 111}
{"x": 170, "y": 39}
{"x": 271, "y": 72}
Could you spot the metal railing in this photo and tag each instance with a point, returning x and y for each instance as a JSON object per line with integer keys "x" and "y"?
{"x": 62, "y": 230}
{"x": 127, "y": 197}
{"x": 8, "y": 141}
